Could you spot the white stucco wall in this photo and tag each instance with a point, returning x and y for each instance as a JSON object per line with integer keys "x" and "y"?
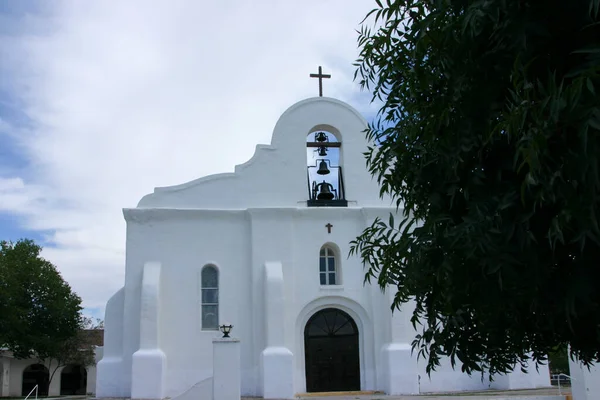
{"x": 447, "y": 379}
{"x": 186, "y": 240}
{"x": 239, "y": 223}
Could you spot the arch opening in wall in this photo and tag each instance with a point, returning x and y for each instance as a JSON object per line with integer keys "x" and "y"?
{"x": 35, "y": 374}
{"x": 331, "y": 352}
{"x": 73, "y": 380}
{"x": 324, "y": 170}
{"x": 329, "y": 265}
{"x": 209, "y": 284}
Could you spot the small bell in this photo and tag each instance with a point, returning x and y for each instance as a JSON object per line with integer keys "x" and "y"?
{"x": 320, "y": 137}
{"x": 322, "y": 151}
{"x": 323, "y": 170}
{"x": 324, "y": 192}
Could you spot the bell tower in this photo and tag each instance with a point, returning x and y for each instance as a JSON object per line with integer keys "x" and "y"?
{"x": 324, "y": 172}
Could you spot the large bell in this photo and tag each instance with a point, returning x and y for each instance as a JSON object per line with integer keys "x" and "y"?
{"x": 323, "y": 170}
{"x": 324, "y": 192}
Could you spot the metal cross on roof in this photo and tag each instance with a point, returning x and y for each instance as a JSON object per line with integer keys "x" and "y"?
{"x": 320, "y": 75}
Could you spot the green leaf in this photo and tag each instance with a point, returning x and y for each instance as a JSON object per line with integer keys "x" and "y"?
{"x": 590, "y": 86}
{"x": 486, "y": 139}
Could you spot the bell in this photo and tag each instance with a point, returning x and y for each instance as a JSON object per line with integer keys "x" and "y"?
{"x": 323, "y": 170}
{"x": 322, "y": 151}
{"x": 320, "y": 137}
{"x": 325, "y": 193}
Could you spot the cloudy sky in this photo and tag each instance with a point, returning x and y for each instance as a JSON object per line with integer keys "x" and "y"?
{"x": 96, "y": 97}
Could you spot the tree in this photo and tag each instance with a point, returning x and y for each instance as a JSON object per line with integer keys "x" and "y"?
{"x": 90, "y": 324}
{"x": 488, "y": 140}
{"x": 79, "y": 349}
{"x": 558, "y": 360}
{"x": 39, "y": 311}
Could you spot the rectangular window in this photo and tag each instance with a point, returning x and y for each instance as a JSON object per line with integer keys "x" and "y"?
{"x": 210, "y": 316}
{"x": 210, "y": 296}
{"x": 332, "y": 278}
{"x": 331, "y": 264}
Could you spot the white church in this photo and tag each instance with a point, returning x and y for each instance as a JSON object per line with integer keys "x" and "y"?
{"x": 272, "y": 261}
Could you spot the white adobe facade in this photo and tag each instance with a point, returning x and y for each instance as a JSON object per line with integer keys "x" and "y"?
{"x": 247, "y": 248}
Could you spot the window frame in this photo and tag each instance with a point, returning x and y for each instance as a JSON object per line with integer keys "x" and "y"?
{"x": 330, "y": 255}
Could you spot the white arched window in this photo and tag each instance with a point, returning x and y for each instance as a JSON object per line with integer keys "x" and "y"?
{"x": 328, "y": 268}
{"x": 210, "y": 298}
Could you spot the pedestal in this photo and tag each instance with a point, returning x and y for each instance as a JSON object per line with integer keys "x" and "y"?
{"x": 585, "y": 383}
{"x": 226, "y": 369}
{"x": 109, "y": 372}
{"x": 400, "y": 369}
{"x": 148, "y": 368}
{"x": 277, "y": 373}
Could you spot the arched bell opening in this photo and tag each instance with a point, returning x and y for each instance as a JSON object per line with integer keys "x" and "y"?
{"x": 324, "y": 172}
{"x": 331, "y": 352}
{"x": 73, "y": 380}
{"x": 35, "y": 374}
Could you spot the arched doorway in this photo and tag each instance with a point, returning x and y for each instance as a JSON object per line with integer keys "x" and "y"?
{"x": 35, "y": 374}
{"x": 73, "y": 380}
{"x": 331, "y": 352}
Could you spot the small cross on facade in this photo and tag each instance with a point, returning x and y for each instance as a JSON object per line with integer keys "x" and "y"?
{"x": 328, "y": 226}
{"x": 320, "y": 75}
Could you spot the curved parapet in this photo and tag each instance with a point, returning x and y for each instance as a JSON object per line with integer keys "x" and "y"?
{"x": 276, "y": 175}
{"x": 295, "y": 114}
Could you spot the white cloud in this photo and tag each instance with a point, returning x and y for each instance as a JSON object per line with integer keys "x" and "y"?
{"x": 4, "y": 126}
{"x": 16, "y": 196}
{"x": 126, "y": 96}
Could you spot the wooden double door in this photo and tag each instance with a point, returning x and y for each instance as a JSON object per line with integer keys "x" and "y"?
{"x": 332, "y": 359}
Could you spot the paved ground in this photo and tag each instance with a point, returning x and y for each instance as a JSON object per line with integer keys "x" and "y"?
{"x": 533, "y": 394}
